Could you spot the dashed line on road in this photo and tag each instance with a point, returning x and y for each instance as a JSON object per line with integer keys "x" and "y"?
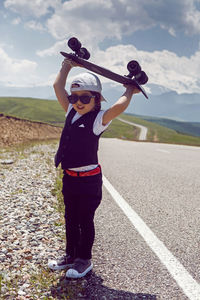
{"x": 162, "y": 150}
{"x": 190, "y": 287}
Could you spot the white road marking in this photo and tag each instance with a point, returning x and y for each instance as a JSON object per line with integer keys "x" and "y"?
{"x": 162, "y": 150}
{"x": 190, "y": 287}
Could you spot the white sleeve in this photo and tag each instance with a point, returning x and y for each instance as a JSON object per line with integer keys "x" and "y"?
{"x": 68, "y": 110}
{"x": 98, "y": 127}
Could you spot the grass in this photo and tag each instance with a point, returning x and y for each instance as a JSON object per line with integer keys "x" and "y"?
{"x": 57, "y": 192}
{"x": 43, "y": 285}
{"x": 161, "y": 134}
{"x": 48, "y": 111}
{"x": 120, "y": 130}
{"x": 189, "y": 128}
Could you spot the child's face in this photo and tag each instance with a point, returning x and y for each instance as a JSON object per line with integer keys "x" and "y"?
{"x": 84, "y": 108}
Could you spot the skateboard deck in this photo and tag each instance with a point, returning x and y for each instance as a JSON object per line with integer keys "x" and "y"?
{"x": 104, "y": 72}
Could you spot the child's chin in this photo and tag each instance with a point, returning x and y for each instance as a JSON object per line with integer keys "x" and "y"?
{"x": 81, "y": 111}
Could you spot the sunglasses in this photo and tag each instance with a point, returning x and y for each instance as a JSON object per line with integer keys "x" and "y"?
{"x": 85, "y": 99}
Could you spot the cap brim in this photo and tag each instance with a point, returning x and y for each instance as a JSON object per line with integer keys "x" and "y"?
{"x": 103, "y": 99}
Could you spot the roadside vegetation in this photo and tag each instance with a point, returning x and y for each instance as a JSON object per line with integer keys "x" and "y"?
{"x": 161, "y": 134}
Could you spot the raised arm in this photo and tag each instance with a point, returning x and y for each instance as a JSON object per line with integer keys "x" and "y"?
{"x": 60, "y": 82}
{"x": 120, "y": 106}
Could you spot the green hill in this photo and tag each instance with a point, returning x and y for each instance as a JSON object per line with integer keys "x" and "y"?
{"x": 50, "y": 111}
{"x": 158, "y": 133}
{"x": 191, "y": 128}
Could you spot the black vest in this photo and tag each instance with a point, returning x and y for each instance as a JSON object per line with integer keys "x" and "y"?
{"x": 78, "y": 144}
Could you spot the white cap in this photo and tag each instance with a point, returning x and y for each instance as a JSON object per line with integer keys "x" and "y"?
{"x": 86, "y": 82}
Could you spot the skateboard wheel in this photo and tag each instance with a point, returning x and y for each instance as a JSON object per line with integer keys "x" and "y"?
{"x": 133, "y": 67}
{"x": 141, "y": 78}
{"x": 74, "y": 44}
{"x": 84, "y": 53}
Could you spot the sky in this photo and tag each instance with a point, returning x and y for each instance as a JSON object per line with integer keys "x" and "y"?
{"x": 162, "y": 35}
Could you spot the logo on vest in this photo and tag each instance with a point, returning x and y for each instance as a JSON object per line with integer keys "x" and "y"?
{"x": 82, "y": 125}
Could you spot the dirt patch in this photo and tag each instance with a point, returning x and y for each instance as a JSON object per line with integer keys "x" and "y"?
{"x": 15, "y": 131}
{"x": 155, "y": 138}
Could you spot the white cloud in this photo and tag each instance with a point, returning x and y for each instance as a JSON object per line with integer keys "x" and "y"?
{"x": 95, "y": 20}
{"x": 36, "y": 8}
{"x": 164, "y": 68}
{"x": 15, "y": 72}
{"x": 179, "y": 15}
{"x": 16, "y": 21}
{"x": 34, "y": 26}
{"x": 54, "y": 50}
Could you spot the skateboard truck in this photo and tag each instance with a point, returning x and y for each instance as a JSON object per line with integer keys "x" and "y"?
{"x": 136, "y": 76}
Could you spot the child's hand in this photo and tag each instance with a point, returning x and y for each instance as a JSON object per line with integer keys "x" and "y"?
{"x": 70, "y": 63}
{"x": 131, "y": 89}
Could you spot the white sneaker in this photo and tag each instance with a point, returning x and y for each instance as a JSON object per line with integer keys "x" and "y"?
{"x": 80, "y": 268}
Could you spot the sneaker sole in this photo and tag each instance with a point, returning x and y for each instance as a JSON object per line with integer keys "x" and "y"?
{"x": 71, "y": 273}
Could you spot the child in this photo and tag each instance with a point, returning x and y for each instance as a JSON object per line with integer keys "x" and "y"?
{"x": 77, "y": 153}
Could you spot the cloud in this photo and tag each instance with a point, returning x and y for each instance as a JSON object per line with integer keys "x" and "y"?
{"x": 34, "y": 26}
{"x": 164, "y": 68}
{"x": 179, "y": 15}
{"x": 54, "y": 50}
{"x": 36, "y": 8}
{"x": 95, "y": 20}
{"x": 16, "y": 21}
{"x": 99, "y": 19}
{"x": 15, "y": 72}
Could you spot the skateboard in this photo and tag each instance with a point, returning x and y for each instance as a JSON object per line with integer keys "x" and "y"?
{"x": 136, "y": 76}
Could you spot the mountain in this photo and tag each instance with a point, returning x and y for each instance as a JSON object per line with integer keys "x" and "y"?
{"x": 181, "y": 107}
{"x": 42, "y": 92}
{"x": 161, "y": 103}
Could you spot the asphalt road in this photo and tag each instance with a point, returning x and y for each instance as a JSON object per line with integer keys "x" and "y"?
{"x": 143, "y": 129}
{"x": 161, "y": 183}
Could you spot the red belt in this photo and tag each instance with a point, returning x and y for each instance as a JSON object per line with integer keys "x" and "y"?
{"x": 95, "y": 171}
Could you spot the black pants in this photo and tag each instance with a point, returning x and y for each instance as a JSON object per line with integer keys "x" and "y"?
{"x": 82, "y": 196}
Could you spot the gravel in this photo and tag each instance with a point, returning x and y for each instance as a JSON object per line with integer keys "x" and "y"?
{"x": 32, "y": 231}
{"x": 28, "y": 218}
